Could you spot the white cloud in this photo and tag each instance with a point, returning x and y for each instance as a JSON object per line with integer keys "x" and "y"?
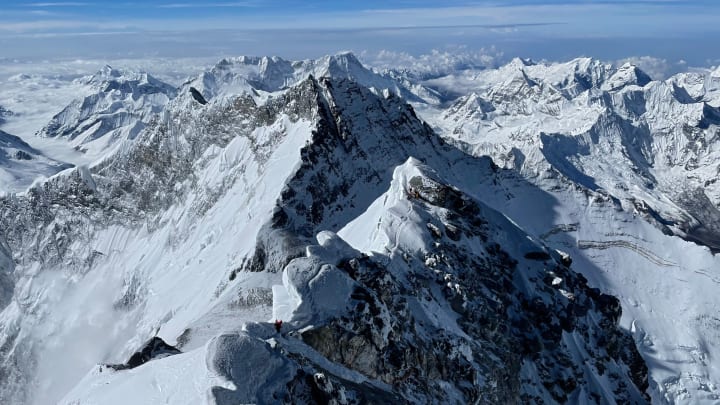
{"x": 58, "y": 4}
{"x": 436, "y": 62}
{"x": 55, "y": 25}
{"x": 202, "y": 5}
{"x": 657, "y": 68}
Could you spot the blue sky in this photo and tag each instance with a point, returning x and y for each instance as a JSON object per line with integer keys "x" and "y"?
{"x": 551, "y": 29}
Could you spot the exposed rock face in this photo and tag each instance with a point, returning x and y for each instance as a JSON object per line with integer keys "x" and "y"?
{"x": 515, "y": 329}
{"x": 582, "y": 118}
{"x": 448, "y": 301}
{"x": 7, "y": 266}
{"x": 155, "y": 348}
{"x": 609, "y": 142}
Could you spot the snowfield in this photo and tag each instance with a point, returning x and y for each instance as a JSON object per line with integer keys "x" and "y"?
{"x": 531, "y": 233}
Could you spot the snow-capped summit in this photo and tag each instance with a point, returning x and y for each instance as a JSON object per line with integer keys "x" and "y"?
{"x": 645, "y": 147}
{"x": 626, "y": 75}
{"x": 233, "y": 76}
{"x": 343, "y": 65}
{"x": 618, "y": 118}
{"x": 346, "y": 65}
{"x": 700, "y": 86}
{"x": 105, "y": 73}
{"x": 220, "y": 215}
{"x": 356, "y": 321}
{"x": 547, "y": 236}
{"x": 262, "y": 75}
{"x": 118, "y": 107}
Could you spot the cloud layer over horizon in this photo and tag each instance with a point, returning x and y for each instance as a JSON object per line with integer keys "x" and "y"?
{"x": 540, "y": 29}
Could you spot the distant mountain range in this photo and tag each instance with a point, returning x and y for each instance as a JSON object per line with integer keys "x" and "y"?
{"x": 536, "y": 233}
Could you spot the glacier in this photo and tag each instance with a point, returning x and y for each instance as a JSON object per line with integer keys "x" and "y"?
{"x": 457, "y": 237}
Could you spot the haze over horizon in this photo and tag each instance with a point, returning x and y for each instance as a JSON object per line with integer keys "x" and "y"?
{"x": 675, "y": 31}
{"x": 430, "y": 221}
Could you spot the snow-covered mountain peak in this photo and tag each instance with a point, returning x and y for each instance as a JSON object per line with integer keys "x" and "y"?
{"x": 520, "y": 63}
{"x": 574, "y": 77}
{"x": 107, "y": 72}
{"x": 344, "y": 64}
{"x": 263, "y": 73}
{"x": 118, "y": 106}
{"x": 450, "y": 287}
{"x": 260, "y": 77}
{"x": 626, "y": 75}
{"x": 648, "y": 148}
{"x": 515, "y": 80}
{"x": 699, "y": 85}
{"x": 127, "y": 81}
{"x": 311, "y": 192}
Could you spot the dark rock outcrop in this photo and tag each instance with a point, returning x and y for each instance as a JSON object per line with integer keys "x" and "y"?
{"x": 155, "y": 348}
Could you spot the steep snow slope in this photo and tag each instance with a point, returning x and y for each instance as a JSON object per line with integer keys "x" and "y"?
{"x": 666, "y": 285}
{"x": 333, "y": 278}
{"x": 357, "y": 326}
{"x": 184, "y": 233}
{"x": 604, "y": 129}
{"x": 169, "y": 219}
{"x": 20, "y": 164}
{"x": 629, "y": 163}
{"x": 211, "y": 221}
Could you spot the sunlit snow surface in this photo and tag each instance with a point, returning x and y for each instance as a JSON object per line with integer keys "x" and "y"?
{"x": 668, "y": 287}
{"x": 35, "y": 91}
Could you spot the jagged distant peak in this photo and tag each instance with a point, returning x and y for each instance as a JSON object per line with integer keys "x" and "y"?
{"x": 251, "y": 68}
{"x": 115, "y": 107}
{"x": 228, "y": 63}
{"x": 108, "y": 71}
{"x": 248, "y": 60}
{"x": 260, "y": 76}
{"x": 576, "y": 64}
{"x": 343, "y": 64}
{"x": 520, "y": 63}
{"x": 584, "y": 63}
{"x": 586, "y": 70}
{"x": 627, "y": 74}
{"x": 105, "y": 74}
{"x": 346, "y": 60}
{"x": 108, "y": 78}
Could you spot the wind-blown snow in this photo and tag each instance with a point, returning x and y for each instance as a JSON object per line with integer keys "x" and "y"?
{"x": 200, "y": 219}
{"x": 165, "y": 291}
